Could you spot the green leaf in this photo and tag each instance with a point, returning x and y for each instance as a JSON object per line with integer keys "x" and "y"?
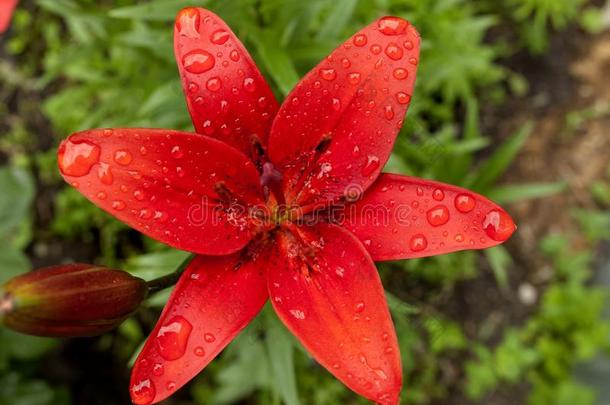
{"x": 276, "y": 60}
{"x": 155, "y": 10}
{"x": 525, "y": 191}
{"x": 499, "y": 259}
{"x": 495, "y": 166}
{"x": 17, "y": 188}
{"x": 337, "y": 20}
{"x": 153, "y": 265}
{"x": 280, "y": 349}
{"x": 12, "y": 263}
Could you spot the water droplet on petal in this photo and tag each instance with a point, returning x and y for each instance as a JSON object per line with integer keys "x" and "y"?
{"x": 328, "y": 74}
{"x": 403, "y": 98}
{"x": 77, "y": 158}
{"x": 177, "y": 152}
{"x": 498, "y": 225}
{"x": 360, "y": 40}
{"x": 360, "y": 306}
{"x": 173, "y": 337}
{"x": 354, "y": 78}
{"x": 418, "y": 243}
{"x": 393, "y": 51}
{"x": 438, "y": 194}
{"x": 118, "y": 205}
{"x": 249, "y": 84}
{"x": 336, "y": 104}
{"x": 219, "y": 37}
{"x": 413, "y": 61}
{"x": 464, "y": 203}
{"x": 198, "y": 61}
{"x": 392, "y": 25}
{"x": 234, "y": 55}
{"x": 158, "y": 369}
{"x": 213, "y": 84}
{"x": 170, "y": 385}
{"x": 371, "y": 165}
{"x": 104, "y": 173}
{"x": 208, "y": 337}
{"x": 123, "y": 157}
{"x": 459, "y": 237}
{"x": 408, "y": 45}
{"x": 388, "y": 112}
{"x": 419, "y": 191}
{"x": 193, "y": 88}
{"x": 143, "y": 393}
{"x": 376, "y": 49}
{"x": 438, "y": 215}
{"x": 188, "y": 22}
{"x": 199, "y": 351}
{"x": 400, "y": 73}
{"x": 346, "y": 63}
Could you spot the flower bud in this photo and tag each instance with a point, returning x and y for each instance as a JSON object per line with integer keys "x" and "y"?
{"x": 70, "y": 300}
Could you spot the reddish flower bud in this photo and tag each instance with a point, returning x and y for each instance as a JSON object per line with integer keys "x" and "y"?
{"x": 70, "y": 300}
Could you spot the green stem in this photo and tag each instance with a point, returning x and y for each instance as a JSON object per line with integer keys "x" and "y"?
{"x": 161, "y": 283}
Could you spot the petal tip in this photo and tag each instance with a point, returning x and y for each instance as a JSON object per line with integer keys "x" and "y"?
{"x": 498, "y": 225}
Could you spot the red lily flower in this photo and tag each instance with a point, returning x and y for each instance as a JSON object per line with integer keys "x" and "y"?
{"x": 6, "y": 12}
{"x": 285, "y": 202}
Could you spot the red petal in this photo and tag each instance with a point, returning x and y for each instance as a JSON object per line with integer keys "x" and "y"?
{"x": 213, "y": 301}
{"x": 403, "y": 217}
{"x": 325, "y": 288}
{"x": 227, "y": 96}
{"x": 335, "y": 131}
{"x": 6, "y": 12}
{"x": 183, "y": 189}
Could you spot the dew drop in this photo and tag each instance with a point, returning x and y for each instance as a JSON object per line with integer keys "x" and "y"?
{"x": 177, "y": 152}
{"x": 158, "y": 369}
{"x": 199, "y": 351}
{"x": 438, "y": 215}
{"x": 171, "y": 386}
{"x": 392, "y": 25}
{"x": 213, "y": 84}
{"x": 498, "y": 225}
{"x": 193, "y": 88}
{"x": 408, "y": 45}
{"x": 459, "y": 237}
{"x": 234, "y": 55}
{"x": 138, "y": 195}
{"x": 371, "y": 165}
{"x": 393, "y": 51}
{"x": 400, "y": 73}
{"x": 104, "y": 173}
{"x": 419, "y": 191}
{"x": 328, "y": 74}
{"x": 336, "y": 104}
{"x": 249, "y": 85}
{"x": 403, "y": 98}
{"x": 360, "y": 40}
{"x": 346, "y": 63}
{"x": 418, "y": 243}
{"x": 413, "y": 61}
{"x": 464, "y": 203}
{"x": 356, "y": 151}
{"x": 173, "y": 337}
{"x": 143, "y": 150}
{"x": 376, "y": 49}
{"x": 438, "y": 194}
{"x": 188, "y": 22}
{"x": 354, "y": 78}
{"x": 388, "y": 111}
{"x": 360, "y": 306}
{"x": 219, "y": 37}
{"x": 143, "y": 393}
{"x": 123, "y": 157}
{"x": 101, "y": 195}
{"x": 118, "y": 205}
{"x": 208, "y": 337}
{"x": 77, "y": 158}
{"x": 198, "y": 61}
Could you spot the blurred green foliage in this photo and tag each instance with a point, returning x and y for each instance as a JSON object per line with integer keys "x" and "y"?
{"x": 110, "y": 64}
